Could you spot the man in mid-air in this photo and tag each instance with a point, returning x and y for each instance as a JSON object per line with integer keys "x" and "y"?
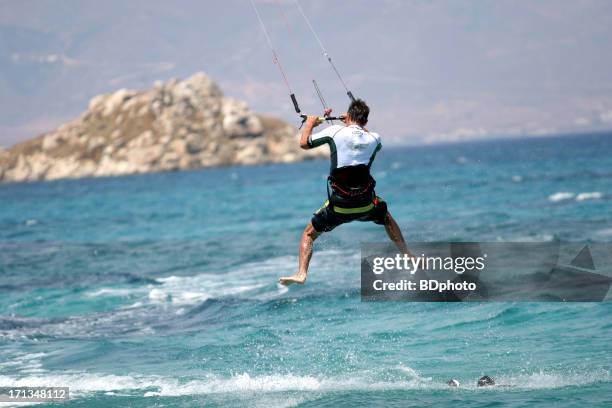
{"x": 352, "y": 195}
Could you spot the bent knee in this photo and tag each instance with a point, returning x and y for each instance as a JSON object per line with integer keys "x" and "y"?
{"x": 388, "y": 218}
{"x": 311, "y": 231}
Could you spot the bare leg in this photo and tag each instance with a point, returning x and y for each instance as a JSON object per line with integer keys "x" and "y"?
{"x": 308, "y": 237}
{"x": 395, "y": 234}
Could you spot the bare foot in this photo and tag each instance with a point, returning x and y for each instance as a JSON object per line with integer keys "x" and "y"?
{"x": 288, "y": 280}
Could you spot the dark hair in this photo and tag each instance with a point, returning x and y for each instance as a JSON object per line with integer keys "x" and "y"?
{"x": 359, "y": 111}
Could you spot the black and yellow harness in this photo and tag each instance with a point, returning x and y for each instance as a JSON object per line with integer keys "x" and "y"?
{"x": 350, "y": 190}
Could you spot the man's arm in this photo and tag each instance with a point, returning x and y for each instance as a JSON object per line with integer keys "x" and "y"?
{"x": 311, "y": 123}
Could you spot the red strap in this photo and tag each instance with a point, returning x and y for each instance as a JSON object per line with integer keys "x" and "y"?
{"x": 351, "y": 193}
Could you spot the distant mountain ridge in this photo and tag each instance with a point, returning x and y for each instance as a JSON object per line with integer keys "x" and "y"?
{"x": 176, "y": 125}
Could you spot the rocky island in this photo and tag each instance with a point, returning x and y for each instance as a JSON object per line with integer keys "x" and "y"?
{"x": 176, "y": 125}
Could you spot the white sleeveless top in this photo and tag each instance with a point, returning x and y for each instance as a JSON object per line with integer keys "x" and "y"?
{"x": 349, "y": 145}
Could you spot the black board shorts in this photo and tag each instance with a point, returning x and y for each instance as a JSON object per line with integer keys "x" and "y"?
{"x": 329, "y": 216}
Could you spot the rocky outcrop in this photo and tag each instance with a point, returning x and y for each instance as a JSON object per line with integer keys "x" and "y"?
{"x": 173, "y": 126}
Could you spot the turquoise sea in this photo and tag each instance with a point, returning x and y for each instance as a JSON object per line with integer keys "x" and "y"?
{"x": 160, "y": 290}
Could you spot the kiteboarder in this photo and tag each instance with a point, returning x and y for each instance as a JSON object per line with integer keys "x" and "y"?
{"x": 350, "y": 188}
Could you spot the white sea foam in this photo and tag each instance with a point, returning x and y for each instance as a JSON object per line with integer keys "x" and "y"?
{"x": 157, "y": 295}
{"x": 250, "y": 279}
{"x": 282, "y": 289}
{"x": 560, "y": 196}
{"x": 111, "y": 292}
{"x": 566, "y": 195}
{"x": 184, "y": 290}
{"x": 408, "y": 371}
{"x": 83, "y": 383}
{"x": 517, "y": 179}
{"x": 24, "y": 363}
{"x": 594, "y": 195}
{"x": 257, "y": 279}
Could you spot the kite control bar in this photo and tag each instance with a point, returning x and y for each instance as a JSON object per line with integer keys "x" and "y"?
{"x": 323, "y": 118}
{"x": 304, "y": 117}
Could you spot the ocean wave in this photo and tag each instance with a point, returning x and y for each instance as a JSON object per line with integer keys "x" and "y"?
{"x": 121, "y": 322}
{"x": 566, "y": 195}
{"x": 151, "y": 305}
{"x": 24, "y": 363}
{"x": 561, "y": 196}
{"x": 84, "y": 384}
{"x": 257, "y": 279}
{"x": 285, "y": 387}
{"x": 595, "y": 195}
{"x": 110, "y": 292}
{"x": 195, "y": 289}
{"x": 32, "y": 374}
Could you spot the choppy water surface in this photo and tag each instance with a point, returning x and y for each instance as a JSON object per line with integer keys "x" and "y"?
{"x": 161, "y": 289}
